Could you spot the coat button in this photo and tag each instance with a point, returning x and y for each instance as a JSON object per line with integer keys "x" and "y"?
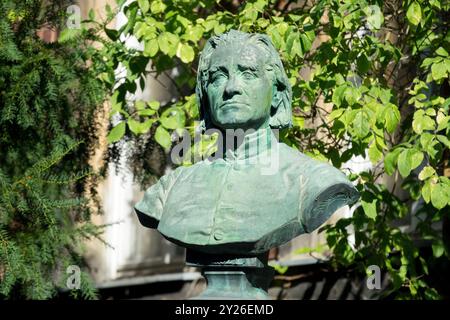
{"x": 218, "y": 235}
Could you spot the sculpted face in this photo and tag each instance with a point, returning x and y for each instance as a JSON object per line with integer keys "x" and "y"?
{"x": 240, "y": 88}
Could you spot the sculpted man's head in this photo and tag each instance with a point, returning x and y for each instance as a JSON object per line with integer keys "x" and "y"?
{"x": 241, "y": 83}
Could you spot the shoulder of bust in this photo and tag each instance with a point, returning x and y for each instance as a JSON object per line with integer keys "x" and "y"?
{"x": 298, "y": 160}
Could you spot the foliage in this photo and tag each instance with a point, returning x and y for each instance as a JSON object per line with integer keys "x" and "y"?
{"x": 377, "y": 87}
{"x": 48, "y": 106}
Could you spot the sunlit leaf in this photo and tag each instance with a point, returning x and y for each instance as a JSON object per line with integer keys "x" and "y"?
{"x": 144, "y": 5}
{"x": 185, "y": 53}
{"x": 404, "y": 162}
{"x": 116, "y": 133}
{"x": 370, "y": 208}
{"x": 426, "y": 173}
{"x": 361, "y": 124}
{"x": 414, "y": 13}
{"x": 375, "y": 17}
{"x": 439, "y": 196}
{"x": 162, "y": 136}
{"x": 151, "y": 47}
{"x": 173, "y": 118}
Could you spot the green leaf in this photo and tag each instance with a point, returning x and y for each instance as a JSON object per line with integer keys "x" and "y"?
{"x": 438, "y": 249}
{"x": 426, "y": 190}
{"x": 133, "y": 125}
{"x": 210, "y": 23}
{"x": 154, "y": 105}
{"x": 263, "y": 23}
{"x": 436, "y": 3}
{"x": 352, "y": 95}
{"x": 385, "y": 96}
{"x": 431, "y": 293}
{"x": 116, "y": 133}
{"x": 139, "y": 104}
{"x": 416, "y": 158}
{"x": 444, "y": 140}
{"x": 277, "y": 39}
{"x": 336, "y": 114}
{"x": 375, "y": 17}
{"x": 404, "y": 162}
{"x": 112, "y": 34}
{"x": 219, "y": 28}
{"x": 184, "y": 22}
{"x": 280, "y": 269}
{"x": 438, "y": 70}
{"x": 140, "y": 127}
{"x": 131, "y": 14}
{"x": 426, "y": 62}
{"x": 298, "y": 121}
{"x": 427, "y": 141}
{"x": 391, "y": 117}
{"x": 291, "y": 38}
{"x": 306, "y": 42}
{"x": 390, "y": 161}
{"x": 282, "y": 28}
{"x": 157, "y": 7}
{"x": 442, "y": 52}
{"x": 422, "y": 122}
{"x": 338, "y": 95}
{"x": 168, "y": 43}
{"x": 146, "y": 112}
{"x": 109, "y": 10}
{"x": 250, "y": 13}
{"x": 362, "y": 63}
{"x": 361, "y": 124}
{"x": 144, "y": 5}
{"x": 116, "y": 103}
{"x": 151, "y": 48}
{"x": 162, "y": 136}
{"x": 68, "y": 35}
{"x": 297, "y": 49}
{"x": 414, "y": 13}
{"x": 442, "y": 121}
{"x": 375, "y": 153}
{"x": 185, "y": 53}
{"x": 439, "y": 196}
{"x": 91, "y": 15}
{"x": 194, "y": 33}
{"x": 173, "y": 118}
{"x": 426, "y": 173}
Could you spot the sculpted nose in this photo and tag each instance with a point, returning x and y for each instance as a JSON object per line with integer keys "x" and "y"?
{"x": 232, "y": 88}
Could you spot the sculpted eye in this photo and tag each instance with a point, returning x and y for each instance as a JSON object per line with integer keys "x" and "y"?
{"x": 216, "y": 76}
{"x": 248, "y": 75}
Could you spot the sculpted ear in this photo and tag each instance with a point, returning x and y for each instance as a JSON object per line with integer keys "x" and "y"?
{"x": 281, "y": 114}
{"x": 202, "y": 102}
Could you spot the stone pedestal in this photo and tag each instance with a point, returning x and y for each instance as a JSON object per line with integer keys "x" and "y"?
{"x": 231, "y": 277}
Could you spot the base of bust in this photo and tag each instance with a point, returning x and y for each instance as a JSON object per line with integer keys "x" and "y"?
{"x": 230, "y": 285}
{"x": 231, "y": 277}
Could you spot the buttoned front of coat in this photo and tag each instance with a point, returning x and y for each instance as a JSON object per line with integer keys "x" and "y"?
{"x": 257, "y": 197}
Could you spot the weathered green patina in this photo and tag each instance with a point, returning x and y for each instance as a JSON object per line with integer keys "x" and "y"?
{"x": 255, "y": 194}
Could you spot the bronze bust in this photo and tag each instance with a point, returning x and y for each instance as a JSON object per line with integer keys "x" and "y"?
{"x": 259, "y": 193}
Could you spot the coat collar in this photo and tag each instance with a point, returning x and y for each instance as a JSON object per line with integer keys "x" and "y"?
{"x": 253, "y": 144}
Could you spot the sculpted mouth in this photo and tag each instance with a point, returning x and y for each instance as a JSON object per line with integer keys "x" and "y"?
{"x": 233, "y": 103}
